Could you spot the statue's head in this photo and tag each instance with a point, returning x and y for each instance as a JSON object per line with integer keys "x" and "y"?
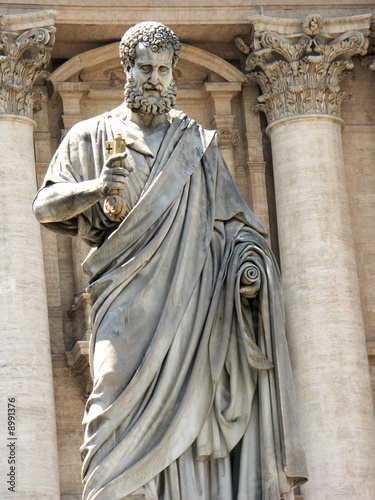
{"x": 149, "y": 51}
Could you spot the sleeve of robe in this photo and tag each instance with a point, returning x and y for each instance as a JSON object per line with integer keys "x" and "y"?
{"x": 80, "y": 157}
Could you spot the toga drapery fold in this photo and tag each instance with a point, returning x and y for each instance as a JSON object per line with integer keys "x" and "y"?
{"x": 179, "y": 358}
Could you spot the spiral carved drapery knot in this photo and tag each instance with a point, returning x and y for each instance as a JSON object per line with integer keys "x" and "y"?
{"x": 250, "y": 280}
{"x": 300, "y": 74}
{"x": 23, "y": 59}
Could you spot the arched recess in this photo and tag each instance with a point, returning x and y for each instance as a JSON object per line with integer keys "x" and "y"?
{"x": 92, "y": 82}
{"x": 109, "y": 56}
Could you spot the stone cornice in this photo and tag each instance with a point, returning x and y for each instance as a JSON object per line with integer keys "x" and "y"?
{"x": 21, "y": 22}
{"x": 293, "y": 27}
{"x": 24, "y": 56}
{"x": 299, "y": 68}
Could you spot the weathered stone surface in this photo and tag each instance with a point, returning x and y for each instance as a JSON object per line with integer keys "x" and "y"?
{"x": 24, "y": 56}
{"x": 301, "y": 73}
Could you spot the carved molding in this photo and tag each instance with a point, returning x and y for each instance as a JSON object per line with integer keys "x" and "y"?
{"x": 371, "y": 349}
{"x": 108, "y": 56}
{"x": 77, "y": 361}
{"x": 257, "y": 167}
{"x": 79, "y": 314}
{"x": 301, "y": 72}
{"x": 23, "y": 59}
{"x": 86, "y": 383}
{"x": 78, "y": 358}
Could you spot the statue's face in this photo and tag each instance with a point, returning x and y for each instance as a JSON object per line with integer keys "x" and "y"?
{"x": 153, "y": 70}
{"x": 150, "y": 88}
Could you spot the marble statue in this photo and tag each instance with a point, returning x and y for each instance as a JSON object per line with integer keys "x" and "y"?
{"x": 193, "y": 394}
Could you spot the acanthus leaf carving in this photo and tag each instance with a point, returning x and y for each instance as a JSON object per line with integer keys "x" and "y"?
{"x": 301, "y": 74}
{"x": 23, "y": 59}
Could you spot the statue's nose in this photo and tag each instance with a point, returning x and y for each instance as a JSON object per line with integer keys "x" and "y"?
{"x": 154, "y": 77}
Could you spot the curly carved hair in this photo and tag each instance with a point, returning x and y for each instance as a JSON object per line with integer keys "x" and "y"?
{"x": 151, "y": 34}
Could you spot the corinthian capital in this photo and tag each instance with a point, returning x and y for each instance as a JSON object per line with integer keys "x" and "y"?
{"x": 24, "y": 55}
{"x": 299, "y": 63}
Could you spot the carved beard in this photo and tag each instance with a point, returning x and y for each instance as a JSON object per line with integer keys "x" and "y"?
{"x": 149, "y": 105}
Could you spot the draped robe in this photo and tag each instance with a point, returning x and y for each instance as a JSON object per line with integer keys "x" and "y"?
{"x": 193, "y": 395}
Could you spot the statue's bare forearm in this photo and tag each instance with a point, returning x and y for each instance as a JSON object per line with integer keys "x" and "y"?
{"x": 65, "y": 200}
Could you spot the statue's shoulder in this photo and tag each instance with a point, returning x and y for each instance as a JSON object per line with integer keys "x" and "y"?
{"x": 176, "y": 114}
{"x": 206, "y": 136}
{"x": 180, "y": 116}
{"x": 86, "y": 128}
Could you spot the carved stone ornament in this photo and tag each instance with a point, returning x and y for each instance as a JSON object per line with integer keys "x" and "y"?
{"x": 77, "y": 361}
{"x": 312, "y": 25}
{"x": 369, "y": 60}
{"x": 301, "y": 74}
{"x": 23, "y": 58}
{"x": 228, "y": 137}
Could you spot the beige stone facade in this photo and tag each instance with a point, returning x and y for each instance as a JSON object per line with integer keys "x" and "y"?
{"x": 306, "y": 169}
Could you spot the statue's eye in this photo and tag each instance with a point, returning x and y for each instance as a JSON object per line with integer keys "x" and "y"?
{"x": 146, "y": 68}
{"x": 163, "y": 69}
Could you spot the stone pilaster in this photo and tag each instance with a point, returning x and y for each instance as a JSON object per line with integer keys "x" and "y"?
{"x": 299, "y": 65}
{"x": 71, "y": 94}
{"x": 228, "y": 137}
{"x": 25, "y": 370}
{"x": 257, "y": 173}
{"x": 256, "y": 166}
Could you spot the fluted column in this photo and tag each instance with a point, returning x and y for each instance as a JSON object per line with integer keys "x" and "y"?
{"x": 28, "y": 467}
{"x": 299, "y": 65}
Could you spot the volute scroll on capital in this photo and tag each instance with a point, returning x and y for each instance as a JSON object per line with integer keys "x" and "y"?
{"x": 369, "y": 60}
{"x": 299, "y": 71}
{"x": 23, "y": 59}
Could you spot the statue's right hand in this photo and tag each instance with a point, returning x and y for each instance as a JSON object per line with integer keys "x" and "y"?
{"x": 112, "y": 176}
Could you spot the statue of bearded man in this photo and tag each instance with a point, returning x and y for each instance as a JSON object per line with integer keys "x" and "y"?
{"x": 192, "y": 388}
